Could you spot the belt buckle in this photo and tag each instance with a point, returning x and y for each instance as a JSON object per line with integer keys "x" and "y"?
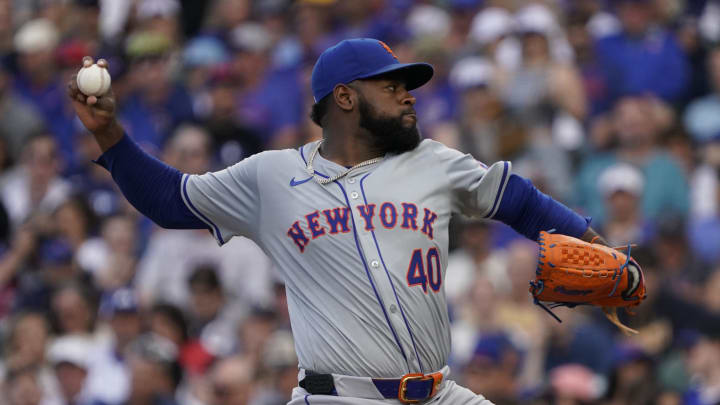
{"x": 402, "y": 389}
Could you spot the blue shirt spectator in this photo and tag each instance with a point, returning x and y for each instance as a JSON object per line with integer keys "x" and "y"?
{"x": 666, "y": 188}
{"x": 653, "y": 63}
{"x": 151, "y": 124}
{"x": 49, "y": 100}
{"x": 643, "y": 58}
{"x": 273, "y": 106}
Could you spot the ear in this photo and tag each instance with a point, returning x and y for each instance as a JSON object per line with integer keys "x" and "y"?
{"x": 345, "y": 97}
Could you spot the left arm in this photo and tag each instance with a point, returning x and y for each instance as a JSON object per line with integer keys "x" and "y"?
{"x": 527, "y": 210}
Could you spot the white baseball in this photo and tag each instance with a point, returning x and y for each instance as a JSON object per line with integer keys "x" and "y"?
{"x": 93, "y": 80}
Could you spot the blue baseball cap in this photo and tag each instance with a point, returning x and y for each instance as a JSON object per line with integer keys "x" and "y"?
{"x": 122, "y": 300}
{"x": 362, "y": 58}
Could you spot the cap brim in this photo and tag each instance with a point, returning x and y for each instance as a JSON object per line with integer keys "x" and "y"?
{"x": 416, "y": 74}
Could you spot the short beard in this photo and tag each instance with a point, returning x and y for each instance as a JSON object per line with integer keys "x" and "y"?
{"x": 388, "y": 135}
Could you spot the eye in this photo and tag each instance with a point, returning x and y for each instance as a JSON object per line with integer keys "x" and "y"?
{"x": 391, "y": 87}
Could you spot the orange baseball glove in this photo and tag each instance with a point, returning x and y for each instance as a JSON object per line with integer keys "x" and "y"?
{"x": 573, "y": 272}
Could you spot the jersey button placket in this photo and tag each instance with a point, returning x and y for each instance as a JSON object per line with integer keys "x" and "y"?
{"x": 382, "y": 282}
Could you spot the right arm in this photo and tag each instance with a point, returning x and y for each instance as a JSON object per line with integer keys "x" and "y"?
{"x": 225, "y": 202}
{"x": 149, "y": 185}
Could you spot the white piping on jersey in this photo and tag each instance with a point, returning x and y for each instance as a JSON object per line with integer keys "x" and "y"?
{"x": 324, "y": 181}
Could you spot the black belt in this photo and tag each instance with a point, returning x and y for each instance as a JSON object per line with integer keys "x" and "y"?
{"x": 410, "y": 389}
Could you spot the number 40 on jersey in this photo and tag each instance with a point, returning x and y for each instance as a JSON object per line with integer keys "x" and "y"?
{"x": 424, "y": 270}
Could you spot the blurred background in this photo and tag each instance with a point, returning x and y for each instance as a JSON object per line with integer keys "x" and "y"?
{"x": 610, "y": 106}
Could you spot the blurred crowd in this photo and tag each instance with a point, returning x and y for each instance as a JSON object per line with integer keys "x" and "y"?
{"x": 610, "y": 106}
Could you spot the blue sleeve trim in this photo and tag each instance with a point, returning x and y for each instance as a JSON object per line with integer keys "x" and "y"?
{"x": 199, "y": 214}
{"x": 500, "y": 191}
{"x": 529, "y": 211}
{"x": 151, "y": 186}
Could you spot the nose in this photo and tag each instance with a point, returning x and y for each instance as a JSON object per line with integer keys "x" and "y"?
{"x": 408, "y": 99}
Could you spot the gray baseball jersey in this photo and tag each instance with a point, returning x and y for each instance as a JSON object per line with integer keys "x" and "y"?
{"x": 363, "y": 257}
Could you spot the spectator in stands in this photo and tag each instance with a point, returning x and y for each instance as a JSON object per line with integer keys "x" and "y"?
{"x": 111, "y": 261}
{"x": 315, "y": 22}
{"x": 255, "y": 331}
{"x": 73, "y": 312}
{"x": 581, "y": 338}
{"x": 160, "y": 17}
{"x": 25, "y": 347}
{"x": 436, "y": 104}
{"x": 638, "y": 122}
{"x": 632, "y": 379}
{"x": 261, "y": 90}
{"x": 702, "y": 116}
{"x": 232, "y": 139}
{"x": 475, "y": 257}
{"x": 189, "y": 151}
{"x": 157, "y": 104}
{"x": 155, "y": 372}
{"x": 704, "y": 366}
{"x": 485, "y": 128}
{"x": 109, "y": 378}
{"x": 76, "y": 224}
{"x": 36, "y": 187}
{"x": 168, "y": 322}
{"x": 207, "y": 299}
{"x": 92, "y": 181}
{"x": 622, "y": 186}
{"x": 594, "y": 77}
{"x": 231, "y": 382}
{"x": 493, "y": 367}
{"x": 213, "y": 320}
{"x": 19, "y": 119}
{"x": 22, "y": 387}
{"x": 519, "y": 317}
{"x": 278, "y": 370}
{"x": 572, "y": 384}
{"x": 545, "y": 82}
{"x": 600, "y": 21}
{"x": 701, "y": 121}
{"x": 201, "y": 56}
{"x": 490, "y": 33}
{"x": 643, "y": 57}
{"x": 16, "y": 256}
{"x": 704, "y": 225}
{"x": 475, "y": 318}
{"x": 70, "y": 357}
{"x": 545, "y": 94}
{"x": 38, "y": 81}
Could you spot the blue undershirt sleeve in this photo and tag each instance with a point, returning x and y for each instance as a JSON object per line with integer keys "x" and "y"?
{"x": 529, "y": 211}
{"x": 149, "y": 185}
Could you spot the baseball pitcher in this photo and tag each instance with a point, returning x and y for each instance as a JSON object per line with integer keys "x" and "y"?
{"x": 357, "y": 223}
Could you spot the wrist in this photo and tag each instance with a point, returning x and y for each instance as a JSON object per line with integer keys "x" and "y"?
{"x": 109, "y": 136}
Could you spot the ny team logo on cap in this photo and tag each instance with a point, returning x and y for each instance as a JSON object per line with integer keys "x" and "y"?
{"x": 387, "y": 48}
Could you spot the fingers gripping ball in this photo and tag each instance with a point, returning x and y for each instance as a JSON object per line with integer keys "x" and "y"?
{"x": 93, "y": 80}
{"x": 573, "y": 272}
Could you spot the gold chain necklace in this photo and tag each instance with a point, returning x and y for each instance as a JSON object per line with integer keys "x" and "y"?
{"x": 323, "y": 180}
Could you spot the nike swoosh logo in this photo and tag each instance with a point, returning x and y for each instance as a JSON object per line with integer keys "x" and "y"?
{"x": 294, "y": 183}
